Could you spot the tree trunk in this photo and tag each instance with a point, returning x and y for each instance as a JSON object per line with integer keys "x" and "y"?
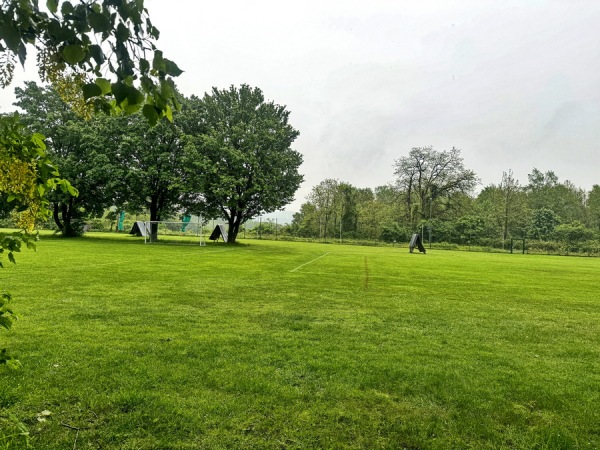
{"x": 62, "y": 215}
{"x": 233, "y": 228}
{"x": 154, "y": 217}
{"x": 56, "y": 217}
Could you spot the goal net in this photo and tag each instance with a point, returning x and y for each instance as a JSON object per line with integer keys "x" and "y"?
{"x": 191, "y": 233}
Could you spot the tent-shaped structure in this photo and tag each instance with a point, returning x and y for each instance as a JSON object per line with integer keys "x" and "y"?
{"x": 415, "y": 241}
{"x": 139, "y": 229}
{"x": 218, "y": 232}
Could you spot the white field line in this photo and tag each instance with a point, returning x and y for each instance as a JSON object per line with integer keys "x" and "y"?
{"x": 311, "y": 261}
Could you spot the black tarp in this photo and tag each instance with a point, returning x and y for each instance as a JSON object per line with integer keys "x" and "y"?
{"x": 139, "y": 228}
{"x": 218, "y": 232}
{"x": 415, "y": 241}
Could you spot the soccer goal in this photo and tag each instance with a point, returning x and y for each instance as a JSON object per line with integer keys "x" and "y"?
{"x": 186, "y": 232}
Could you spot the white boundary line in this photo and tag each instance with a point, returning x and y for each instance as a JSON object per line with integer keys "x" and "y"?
{"x": 312, "y": 260}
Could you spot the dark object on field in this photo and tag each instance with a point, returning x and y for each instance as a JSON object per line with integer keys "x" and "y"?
{"x": 219, "y": 231}
{"x": 139, "y": 229}
{"x": 415, "y": 241}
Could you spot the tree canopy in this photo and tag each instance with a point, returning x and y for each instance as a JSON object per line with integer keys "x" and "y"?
{"x": 427, "y": 174}
{"x": 156, "y": 163}
{"x": 246, "y": 164}
{"x": 85, "y": 151}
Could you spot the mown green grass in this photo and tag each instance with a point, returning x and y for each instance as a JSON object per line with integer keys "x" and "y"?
{"x": 294, "y": 345}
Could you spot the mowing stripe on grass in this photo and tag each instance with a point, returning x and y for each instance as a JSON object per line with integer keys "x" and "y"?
{"x": 311, "y": 261}
{"x": 366, "y": 274}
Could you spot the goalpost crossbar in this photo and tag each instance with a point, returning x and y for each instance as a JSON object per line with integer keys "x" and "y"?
{"x": 175, "y": 231}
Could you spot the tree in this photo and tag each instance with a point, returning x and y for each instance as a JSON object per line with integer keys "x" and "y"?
{"x": 305, "y": 223}
{"x": 469, "y": 227}
{"x": 545, "y": 191}
{"x": 426, "y": 175}
{"x": 543, "y": 223}
{"x": 324, "y": 198}
{"x": 156, "y": 163}
{"x": 504, "y": 208}
{"x": 593, "y": 207}
{"x": 247, "y": 166}
{"x": 84, "y": 150}
{"x": 77, "y": 43}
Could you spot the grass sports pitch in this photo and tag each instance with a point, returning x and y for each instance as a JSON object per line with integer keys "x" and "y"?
{"x": 301, "y": 346}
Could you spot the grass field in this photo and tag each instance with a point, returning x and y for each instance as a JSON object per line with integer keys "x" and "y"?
{"x": 294, "y": 345}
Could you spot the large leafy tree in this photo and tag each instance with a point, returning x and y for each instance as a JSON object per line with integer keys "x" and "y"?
{"x": 545, "y": 191}
{"x": 247, "y": 166}
{"x": 593, "y": 207}
{"x": 84, "y": 150}
{"x": 504, "y": 208}
{"x": 543, "y": 222}
{"x": 427, "y": 175}
{"x": 326, "y": 200}
{"x": 79, "y": 42}
{"x": 157, "y": 166}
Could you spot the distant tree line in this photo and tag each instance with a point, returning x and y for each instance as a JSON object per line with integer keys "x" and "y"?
{"x": 226, "y": 155}
{"x": 434, "y": 194}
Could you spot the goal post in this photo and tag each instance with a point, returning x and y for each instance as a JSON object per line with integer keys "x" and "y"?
{"x": 182, "y": 232}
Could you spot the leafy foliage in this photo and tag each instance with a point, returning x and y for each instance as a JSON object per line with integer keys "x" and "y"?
{"x": 26, "y": 176}
{"x": 78, "y": 42}
{"x": 26, "y": 172}
{"x": 156, "y": 164}
{"x": 84, "y": 150}
{"x": 572, "y": 233}
{"x": 426, "y": 175}
{"x": 247, "y": 165}
{"x": 543, "y": 223}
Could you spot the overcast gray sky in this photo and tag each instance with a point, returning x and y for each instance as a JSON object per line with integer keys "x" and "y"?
{"x": 512, "y": 84}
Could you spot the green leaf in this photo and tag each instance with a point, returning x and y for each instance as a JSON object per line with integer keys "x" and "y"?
{"x": 91, "y": 90}
{"x": 99, "y": 22}
{"x": 104, "y": 85}
{"x": 122, "y": 33}
{"x": 10, "y": 34}
{"x": 97, "y": 54}
{"x": 158, "y": 63}
{"x": 151, "y": 114}
{"x": 52, "y": 5}
{"x": 135, "y": 97}
{"x": 169, "y": 113}
{"x": 67, "y": 8}
{"x": 147, "y": 85}
{"x": 120, "y": 92}
{"x": 165, "y": 89}
{"x": 144, "y": 66}
{"x": 131, "y": 109}
{"x": 60, "y": 33}
{"x": 73, "y": 54}
{"x": 172, "y": 69}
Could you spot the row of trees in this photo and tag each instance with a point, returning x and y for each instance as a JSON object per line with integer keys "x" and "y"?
{"x": 433, "y": 194}
{"x": 226, "y": 155}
